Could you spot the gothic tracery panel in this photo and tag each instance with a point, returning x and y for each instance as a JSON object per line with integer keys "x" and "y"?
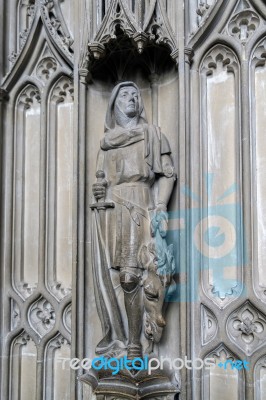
{"x": 258, "y": 74}
{"x": 260, "y": 378}
{"x": 57, "y": 374}
{"x": 23, "y": 359}
{"x": 246, "y": 326}
{"x": 221, "y": 213}
{"x": 60, "y": 165}
{"x": 221, "y": 381}
{"x": 27, "y": 187}
{"x": 40, "y": 157}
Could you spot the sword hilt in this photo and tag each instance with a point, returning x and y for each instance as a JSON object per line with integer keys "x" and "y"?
{"x": 101, "y": 205}
{"x": 100, "y": 175}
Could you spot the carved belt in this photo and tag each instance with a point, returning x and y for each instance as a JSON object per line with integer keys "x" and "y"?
{"x": 133, "y": 209}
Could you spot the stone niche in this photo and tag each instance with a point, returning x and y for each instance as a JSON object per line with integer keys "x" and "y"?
{"x": 156, "y": 75}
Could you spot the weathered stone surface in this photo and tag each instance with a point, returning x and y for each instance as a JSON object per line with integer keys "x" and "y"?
{"x": 200, "y": 68}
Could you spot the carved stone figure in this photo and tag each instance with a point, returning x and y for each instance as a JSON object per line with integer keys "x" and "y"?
{"x": 132, "y": 264}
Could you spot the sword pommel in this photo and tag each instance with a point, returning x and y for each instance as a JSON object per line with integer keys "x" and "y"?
{"x": 100, "y": 175}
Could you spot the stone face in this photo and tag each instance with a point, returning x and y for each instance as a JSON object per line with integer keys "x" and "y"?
{"x": 199, "y": 68}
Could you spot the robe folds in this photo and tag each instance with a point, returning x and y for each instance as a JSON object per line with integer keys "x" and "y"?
{"x": 131, "y": 160}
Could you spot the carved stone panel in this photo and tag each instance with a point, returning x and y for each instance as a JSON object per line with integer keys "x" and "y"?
{"x": 15, "y": 314}
{"x": 53, "y": 20}
{"x": 222, "y": 382}
{"x": 57, "y": 374}
{"x": 67, "y": 318}
{"x": 46, "y": 67}
{"x": 23, "y": 359}
{"x": 200, "y": 66}
{"x": 247, "y": 328}
{"x": 260, "y": 378}
{"x": 258, "y": 80}
{"x": 209, "y": 325}
{"x": 243, "y": 25}
{"x": 27, "y": 185}
{"x": 220, "y": 243}
{"x": 42, "y": 316}
{"x": 244, "y": 22}
{"x": 59, "y": 266}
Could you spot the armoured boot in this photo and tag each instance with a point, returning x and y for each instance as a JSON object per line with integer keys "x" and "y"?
{"x": 133, "y": 303}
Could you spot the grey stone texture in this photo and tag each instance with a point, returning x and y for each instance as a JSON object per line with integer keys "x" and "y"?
{"x": 200, "y": 70}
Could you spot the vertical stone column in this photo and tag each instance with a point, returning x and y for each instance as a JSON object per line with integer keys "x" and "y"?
{"x": 82, "y": 220}
{"x": 3, "y": 99}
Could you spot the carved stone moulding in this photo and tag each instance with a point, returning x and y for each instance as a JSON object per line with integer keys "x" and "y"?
{"x": 209, "y": 325}
{"x": 243, "y": 25}
{"x": 246, "y": 327}
{"x": 219, "y": 68}
{"x": 29, "y": 94}
{"x": 42, "y": 316}
{"x": 217, "y": 379}
{"x": 259, "y": 56}
{"x": 126, "y": 386}
{"x": 259, "y": 377}
{"x": 219, "y": 56}
{"x": 204, "y": 10}
{"x": 46, "y": 68}
{"x": 63, "y": 88}
{"x": 25, "y": 23}
{"x": 3, "y": 95}
{"x": 59, "y": 291}
{"x": 67, "y": 318}
{"x": 15, "y": 314}
{"x": 53, "y": 20}
{"x": 120, "y": 22}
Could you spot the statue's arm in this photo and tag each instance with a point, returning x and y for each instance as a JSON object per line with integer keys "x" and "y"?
{"x": 165, "y": 187}
{"x": 165, "y": 183}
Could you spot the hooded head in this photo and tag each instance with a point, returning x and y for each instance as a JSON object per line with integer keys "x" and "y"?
{"x": 125, "y": 107}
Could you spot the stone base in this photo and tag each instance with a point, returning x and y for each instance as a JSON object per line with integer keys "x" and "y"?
{"x": 127, "y": 386}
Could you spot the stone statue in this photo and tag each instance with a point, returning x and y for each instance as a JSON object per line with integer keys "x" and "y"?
{"x": 132, "y": 264}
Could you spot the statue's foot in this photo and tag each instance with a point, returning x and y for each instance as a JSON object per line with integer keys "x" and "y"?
{"x": 134, "y": 351}
{"x": 104, "y": 347}
{"x": 115, "y": 353}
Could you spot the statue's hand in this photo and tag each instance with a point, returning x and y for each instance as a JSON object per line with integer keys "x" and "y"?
{"x": 159, "y": 221}
{"x": 99, "y": 190}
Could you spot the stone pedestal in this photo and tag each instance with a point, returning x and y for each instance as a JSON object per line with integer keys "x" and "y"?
{"x": 125, "y": 385}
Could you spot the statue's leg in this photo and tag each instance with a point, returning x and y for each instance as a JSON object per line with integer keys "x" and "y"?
{"x": 133, "y": 303}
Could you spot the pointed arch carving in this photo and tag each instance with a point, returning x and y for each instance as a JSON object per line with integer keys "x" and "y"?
{"x": 23, "y": 358}
{"x": 120, "y": 15}
{"x": 258, "y": 80}
{"x": 56, "y": 27}
{"x": 119, "y": 20}
{"x": 57, "y": 371}
{"x": 221, "y": 263}
{"x": 259, "y": 377}
{"x": 214, "y": 377}
{"x": 26, "y": 20}
{"x": 209, "y": 325}
{"x": 60, "y": 187}
{"x": 212, "y": 21}
{"x": 25, "y": 16}
{"x": 158, "y": 27}
{"x": 26, "y": 185}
